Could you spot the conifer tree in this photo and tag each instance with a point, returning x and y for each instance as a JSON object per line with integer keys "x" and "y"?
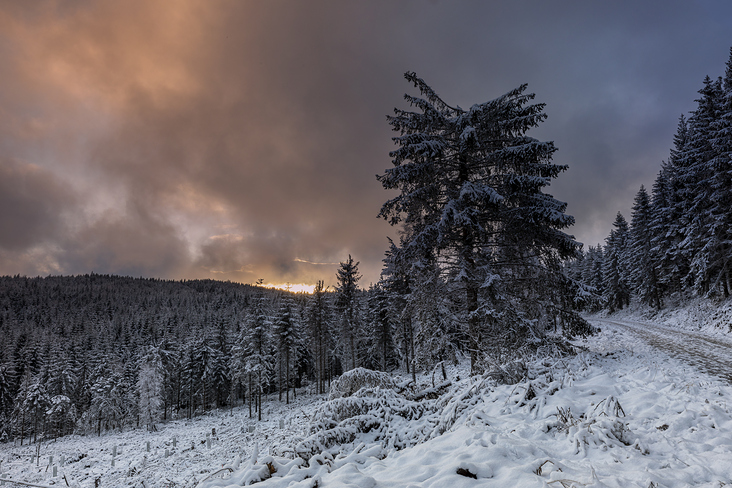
{"x": 258, "y": 363}
{"x": 471, "y": 200}
{"x": 699, "y": 176}
{"x": 348, "y": 308}
{"x": 150, "y": 386}
{"x": 318, "y": 320}
{"x": 717, "y": 249}
{"x": 286, "y": 341}
{"x": 379, "y": 334}
{"x": 616, "y": 287}
{"x": 398, "y": 288}
{"x": 641, "y": 257}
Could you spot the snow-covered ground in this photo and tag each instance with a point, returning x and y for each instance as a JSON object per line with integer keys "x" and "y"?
{"x": 196, "y": 452}
{"x": 620, "y": 414}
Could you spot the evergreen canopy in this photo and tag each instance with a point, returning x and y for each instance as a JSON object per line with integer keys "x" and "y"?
{"x": 471, "y": 202}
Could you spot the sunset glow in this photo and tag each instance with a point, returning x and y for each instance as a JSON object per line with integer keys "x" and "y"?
{"x": 292, "y": 287}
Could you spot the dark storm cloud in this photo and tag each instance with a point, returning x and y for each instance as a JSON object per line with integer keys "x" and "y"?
{"x": 32, "y": 205}
{"x": 239, "y": 140}
{"x": 135, "y": 243}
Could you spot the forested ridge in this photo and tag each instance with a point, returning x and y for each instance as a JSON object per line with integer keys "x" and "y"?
{"x": 678, "y": 242}
{"x": 72, "y": 347}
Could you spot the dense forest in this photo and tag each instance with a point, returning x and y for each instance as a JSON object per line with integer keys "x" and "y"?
{"x": 679, "y": 239}
{"x": 96, "y": 352}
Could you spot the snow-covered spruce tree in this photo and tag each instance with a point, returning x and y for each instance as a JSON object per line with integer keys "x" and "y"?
{"x": 592, "y": 277}
{"x": 36, "y": 402}
{"x": 616, "y": 287}
{"x": 191, "y": 373}
{"x": 21, "y": 414}
{"x": 437, "y": 335}
{"x": 6, "y": 393}
{"x": 258, "y": 364}
{"x": 397, "y": 284}
{"x": 670, "y": 203}
{"x": 285, "y": 335}
{"x": 380, "y": 353}
{"x": 318, "y": 331}
{"x": 716, "y": 193}
{"x": 214, "y": 373}
{"x": 347, "y": 304}
{"x": 471, "y": 200}
{"x": 150, "y": 386}
{"x": 700, "y": 240}
{"x": 642, "y": 260}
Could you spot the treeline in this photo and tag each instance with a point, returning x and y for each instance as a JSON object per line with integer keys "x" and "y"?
{"x": 679, "y": 239}
{"x": 94, "y": 352}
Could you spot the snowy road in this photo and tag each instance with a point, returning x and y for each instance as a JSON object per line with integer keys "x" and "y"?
{"x": 710, "y": 354}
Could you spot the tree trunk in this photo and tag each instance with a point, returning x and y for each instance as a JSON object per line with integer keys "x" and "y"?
{"x": 287, "y": 376}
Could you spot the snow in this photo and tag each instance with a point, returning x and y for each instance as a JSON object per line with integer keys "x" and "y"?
{"x": 619, "y": 414}
{"x": 697, "y": 314}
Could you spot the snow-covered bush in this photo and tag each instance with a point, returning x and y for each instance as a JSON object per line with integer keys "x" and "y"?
{"x": 388, "y": 418}
{"x": 601, "y": 426}
{"x": 352, "y": 381}
{"x": 508, "y": 374}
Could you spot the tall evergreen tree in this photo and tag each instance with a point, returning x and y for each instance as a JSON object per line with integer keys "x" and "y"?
{"x": 642, "y": 260}
{"x": 318, "y": 320}
{"x": 398, "y": 288}
{"x": 379, "y": 334}
{"x": 471, "y": 200}
{"x": 616, "y": 287}
{"x": 286, "y": 341}
{"x": 348, "y": 307}
{"x": 700, "y": 241}
{"x": 717, "y": 250}
{"x": 150, "y": 386}
{"x": 258, "y": 363}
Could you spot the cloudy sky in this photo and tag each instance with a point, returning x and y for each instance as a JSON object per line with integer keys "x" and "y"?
{"x": 240, "y": 140}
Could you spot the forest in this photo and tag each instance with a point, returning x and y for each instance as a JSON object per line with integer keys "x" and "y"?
{"x": 483, "y": 270}
{"x": 679, "y": 240}
{"x": 479, "y": 236}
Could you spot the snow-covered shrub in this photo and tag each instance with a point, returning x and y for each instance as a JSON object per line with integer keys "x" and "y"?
{"x": 509, "y": 374}
{"x": 601, "y": 426}
{"x": 352, "y": 381}
{"x": 388, "y": 417}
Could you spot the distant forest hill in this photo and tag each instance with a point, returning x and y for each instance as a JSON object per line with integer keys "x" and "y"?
{"x": 72, "y": 349}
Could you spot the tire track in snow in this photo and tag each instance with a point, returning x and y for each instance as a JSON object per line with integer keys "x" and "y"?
{"x": 711, "y": 355}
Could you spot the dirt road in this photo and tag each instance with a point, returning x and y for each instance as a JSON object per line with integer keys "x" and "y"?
{"x": 710, "y": 354}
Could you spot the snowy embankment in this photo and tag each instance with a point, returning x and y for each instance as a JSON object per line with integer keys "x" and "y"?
{"x": 698, "y": 314}
{"x": 620, "y": 414}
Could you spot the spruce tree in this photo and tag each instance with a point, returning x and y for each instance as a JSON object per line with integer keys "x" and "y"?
{"x": 379, "y": 332}
{"x": 150, "y": 386}
{"x": 472, "y": 205}
{"x": 397, "y": 285}
{"x": 616, "y": 288}
{"x": 347, "y": 304}
{"x": 285, "y": 335}
{"x": 642, "y": 260}
{"x": 671, "y": 215}
{"x": 318, "y": 329}
{"x": 699, "y": 176}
